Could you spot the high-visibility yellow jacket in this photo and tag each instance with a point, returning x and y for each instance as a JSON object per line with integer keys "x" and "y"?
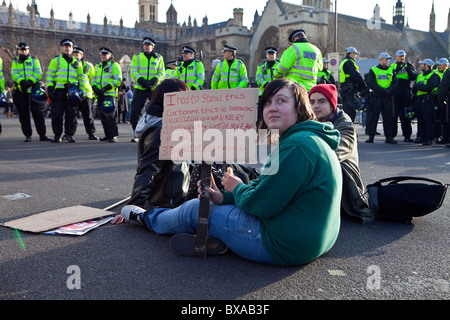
{"x": 2, "y": 79}
{"x": 228, "y": 76}
{"x": 300, "y": 63}
{"x": 264, "y": 74}
{"x": 61, "y": 72}
{"x": 342, "y": 75}
{"x": 383, "y": 76}
{"x": 440, "y": 74}
{"x": 108, "y": 72}
{"x": 30, "y": 69}
{"x": 169, "y": 73}
{"x": 192, "y": 73}
{"x": 147, "y": 68}
{"x": 88, "y": 73}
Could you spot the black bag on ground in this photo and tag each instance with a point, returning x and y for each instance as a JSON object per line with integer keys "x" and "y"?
{"x": 403, "y": 201}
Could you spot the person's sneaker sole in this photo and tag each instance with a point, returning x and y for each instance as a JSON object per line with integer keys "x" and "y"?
{"x": 184, "y": 244}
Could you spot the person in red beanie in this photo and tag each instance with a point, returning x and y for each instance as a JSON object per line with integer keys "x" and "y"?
{"x": 323, "y": 99}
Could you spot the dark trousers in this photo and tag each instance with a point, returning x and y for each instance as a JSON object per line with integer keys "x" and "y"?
{"x": 425, "y": 117}
{"x": 402, "y": 100}
{"x": 25, "y": 105}
{"x": 442, "y": 124}
{"x": 381, "y": 105}
{"x": 108, "y": 120}
{"x": 446, "y": 126}
{"x": 347, "y": 102}
{"x": 85, "y": 108}
{"x": 139, "y": 98}
{"x": 63, "y": 110}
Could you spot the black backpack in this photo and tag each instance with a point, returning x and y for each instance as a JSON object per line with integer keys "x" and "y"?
{"x": 403, "y": 201}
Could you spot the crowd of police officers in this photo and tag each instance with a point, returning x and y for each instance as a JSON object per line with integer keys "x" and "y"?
{"x": 394, "y": 91}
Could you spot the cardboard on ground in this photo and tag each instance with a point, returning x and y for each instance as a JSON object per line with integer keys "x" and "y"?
{"x": 199, "y": 114}
{"x": 56, "y": 218}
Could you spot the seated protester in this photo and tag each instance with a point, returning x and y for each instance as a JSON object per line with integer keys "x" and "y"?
{"x": 323, "y": 98}
{"x": 290, "y": 214}
{"x": 158, "y": 182}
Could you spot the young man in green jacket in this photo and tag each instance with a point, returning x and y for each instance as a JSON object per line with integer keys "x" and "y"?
{"x": 290, "y": 215}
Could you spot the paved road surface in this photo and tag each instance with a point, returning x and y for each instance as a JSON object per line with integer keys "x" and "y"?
{"x": 128, "y": 262}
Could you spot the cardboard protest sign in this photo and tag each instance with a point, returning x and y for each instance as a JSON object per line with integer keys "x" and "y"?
{"x": 210, "y": 125}
{"x": 53, "y": 219}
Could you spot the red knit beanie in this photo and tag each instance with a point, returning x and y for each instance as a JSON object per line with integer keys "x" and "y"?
{"x": 329, "y": 91}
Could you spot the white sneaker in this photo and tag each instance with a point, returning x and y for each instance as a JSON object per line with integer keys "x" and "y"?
{"x": 132, "y": 213}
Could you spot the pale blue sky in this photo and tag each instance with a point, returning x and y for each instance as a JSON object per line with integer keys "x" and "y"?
{"x": 218, "y": 11}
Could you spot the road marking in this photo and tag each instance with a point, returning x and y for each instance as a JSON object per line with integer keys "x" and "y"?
{"x": 339, "y": 273}
{"x": 17, "y": 196}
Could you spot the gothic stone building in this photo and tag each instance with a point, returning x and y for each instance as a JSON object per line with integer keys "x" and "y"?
{"x": 270, "y": 28}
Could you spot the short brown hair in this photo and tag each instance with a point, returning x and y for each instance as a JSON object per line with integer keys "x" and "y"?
{"x": 304, "y": 110}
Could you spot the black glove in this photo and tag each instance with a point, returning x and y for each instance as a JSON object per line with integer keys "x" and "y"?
{"x": 105, "y": 88}
{"x": 141, "y": 81}
{"x": 51, "y": 92}
{"x": 25, "y": 84}
{"x": 36, "y": 86}
{"x": 69, "y": 85}
{"x": 96, "y": 90}
{"x": 152, "y": 82}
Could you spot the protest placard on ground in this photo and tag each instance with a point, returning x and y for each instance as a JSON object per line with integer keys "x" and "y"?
{"x": 53, "y": 219}
{"x": 210, "y": 125}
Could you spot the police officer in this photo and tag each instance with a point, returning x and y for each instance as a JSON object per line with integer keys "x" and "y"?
{"x": 383, "y": 81}
{"x": 147, "y": 70}
{"x": 265, "y": 70}
{"x": 191, "y": 71}
{"x": 108, "y": 76}
{"x": 402, "y": 96}
{"x": 170, "y": 70}
{"x": 264, "y": 73}
{"x": 26, "y": 74}
{"x": 441, "y": 117}
{"x": 2, "y": 88}
{"x": 443, "y": 102}
{"x": 301, "y": 61}
{"x": 426, "y": 83}
{"x": 64, "y": 79}
{"x": 85, "y": 105}
{"x": 325, "y": 76}
{"x": 230, "y": 73}
{"x": 352, "y": 83}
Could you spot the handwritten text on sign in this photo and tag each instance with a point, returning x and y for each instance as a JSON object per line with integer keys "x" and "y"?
{"x": 209, "y": 125}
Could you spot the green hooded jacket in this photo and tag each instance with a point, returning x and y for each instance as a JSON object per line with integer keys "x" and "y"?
{"x": 298, "y": 194}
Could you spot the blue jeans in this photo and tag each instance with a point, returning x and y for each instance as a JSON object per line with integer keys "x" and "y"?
{"x": 239, "y": 230}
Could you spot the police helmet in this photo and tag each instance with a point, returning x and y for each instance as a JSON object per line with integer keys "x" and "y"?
{"x": 66, "y": 42}
{"x": 271, "y": 50}
{"x": 73, "y": 94}
{"x": 105, "y": 50}
{"x": 39, "y": 95}
{"x": 188, "y": 49}
{"x": 3, "y": 101}
{"x": 351, "y": 49}
{"x": 227, "y": 47}
{"x": 427, "y": 61}
{"x": 108, "y": 106}
{"x": 148, "y": 40}
{"x": 359, "y": 103}
{"x": 410, "y": 113}
{"x": 296, "y": 33}
{"x": 442, "y": 62}
{"x": 22, "y": 46}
